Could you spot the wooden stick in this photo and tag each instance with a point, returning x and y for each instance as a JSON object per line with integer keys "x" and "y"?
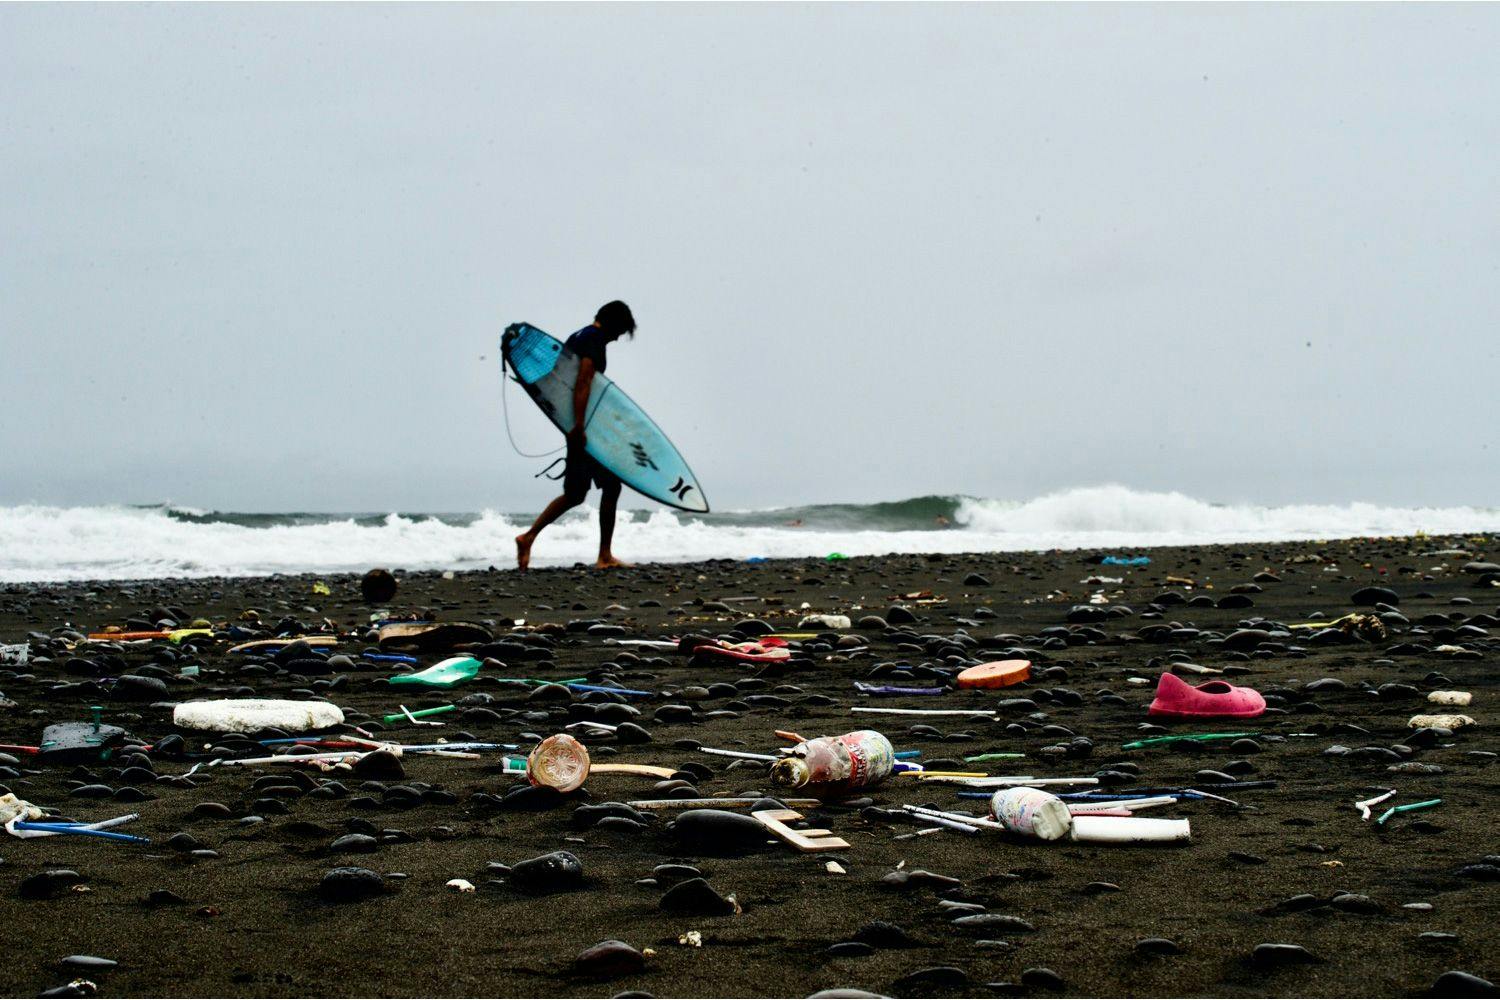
{"x": 645, "y": 770}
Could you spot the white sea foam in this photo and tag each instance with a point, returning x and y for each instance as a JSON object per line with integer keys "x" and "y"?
{"x": 77, "y": 543}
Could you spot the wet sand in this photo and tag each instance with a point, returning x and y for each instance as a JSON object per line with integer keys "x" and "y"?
{"x": 250, "y": 921}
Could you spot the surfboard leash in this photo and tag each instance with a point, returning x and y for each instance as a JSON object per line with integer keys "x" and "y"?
{"x": 505, "y": 406}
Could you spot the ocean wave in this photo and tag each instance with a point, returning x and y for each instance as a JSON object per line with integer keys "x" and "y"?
{"x": 44, "y": 544}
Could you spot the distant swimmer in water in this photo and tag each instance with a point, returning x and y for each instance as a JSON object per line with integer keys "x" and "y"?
{"x": 941, "y": 521}
{"x": 795, "y": 522}
{"x": 611, "y": 322}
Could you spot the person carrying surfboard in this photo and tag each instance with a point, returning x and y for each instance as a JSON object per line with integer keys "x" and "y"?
{"x": 613, "y": 321}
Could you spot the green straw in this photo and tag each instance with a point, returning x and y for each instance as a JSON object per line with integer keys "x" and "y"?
{"x": 1393, "y": 810}
{"x": 420, "y": 713}
{"x": 979, "y": 758}
{"x": 1195, "y": 737}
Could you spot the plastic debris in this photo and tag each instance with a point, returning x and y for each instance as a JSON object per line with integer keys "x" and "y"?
{"x": 806, "y": 841}
{"x": 1393, "y": 810}
{"x": 559, "y": 762}
{"x": 454, "y": 670}
{"x": 1439, "y": 721}
{"x": 1031, "y": 812}
{"x": 243, "y": 715}
{"x": 836, "y": 763}
{"x": 1364, "y": 807}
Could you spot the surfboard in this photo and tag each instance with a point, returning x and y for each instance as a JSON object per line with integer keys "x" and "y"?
{"x": 620, "y": 435}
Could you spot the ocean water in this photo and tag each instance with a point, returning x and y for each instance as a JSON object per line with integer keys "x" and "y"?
{"x": 40, "y": 543}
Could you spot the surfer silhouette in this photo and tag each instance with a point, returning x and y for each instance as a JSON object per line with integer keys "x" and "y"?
{"x": 611, "y": 322}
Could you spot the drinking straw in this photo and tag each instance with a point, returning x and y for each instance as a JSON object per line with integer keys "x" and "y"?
{"x": 389, "y": 658}
{"x": 79, "y": 829}
{"x": 1393, "y": 810}
{"x": 740, "y": 754}
{"x": 963, "y": 818}
{"x": 420, "y": 713}
{"x": 1364, "y": 807}
{"x": 738, "y": 802}
{"x": 574, "y": 685}
{"x": 864, "y": 710}
{"x": 983, "y": 757}
{"x": 951, "y": 824}
{"x": 1180, "y": 737}
{"x": 865, "y": 688}
{"x": 1175, "y": 789}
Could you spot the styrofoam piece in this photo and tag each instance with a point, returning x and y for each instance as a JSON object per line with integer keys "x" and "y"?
{"x": 1439, "y": 721}
{"x": 241, "y": 715}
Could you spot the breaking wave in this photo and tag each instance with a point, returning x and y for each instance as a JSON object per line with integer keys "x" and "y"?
{"x": 42, "y": 544}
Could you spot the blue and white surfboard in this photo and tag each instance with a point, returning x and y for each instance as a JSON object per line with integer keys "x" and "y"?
{"x": 620, "y": 435}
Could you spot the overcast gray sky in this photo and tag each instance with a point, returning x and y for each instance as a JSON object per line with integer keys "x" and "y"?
{"x": 259, "y": 257}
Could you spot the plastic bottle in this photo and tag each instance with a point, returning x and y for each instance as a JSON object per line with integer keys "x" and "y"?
{"x": 1031, "y": 812}
{"x": 559, "y": 762}
{"x": 833, "y": 764}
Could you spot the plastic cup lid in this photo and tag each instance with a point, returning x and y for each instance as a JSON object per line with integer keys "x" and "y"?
{"x": 1001, "y": 673}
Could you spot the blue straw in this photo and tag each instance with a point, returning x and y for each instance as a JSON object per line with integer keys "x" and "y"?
{"x": 600, "y": 687}
{"x": 74, "y": 828}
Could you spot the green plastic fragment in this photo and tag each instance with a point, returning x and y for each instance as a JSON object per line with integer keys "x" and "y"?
{"x": 451, "y": 671}
{"x": 980, "y": 758}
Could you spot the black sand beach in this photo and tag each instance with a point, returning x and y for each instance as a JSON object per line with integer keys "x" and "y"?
{"x": 1295, "y": 865}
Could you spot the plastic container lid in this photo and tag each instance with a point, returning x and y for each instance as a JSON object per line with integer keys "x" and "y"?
{"x": 1001, "y": 673}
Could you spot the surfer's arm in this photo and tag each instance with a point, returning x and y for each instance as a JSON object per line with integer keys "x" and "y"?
{"x": 581, "y": 397}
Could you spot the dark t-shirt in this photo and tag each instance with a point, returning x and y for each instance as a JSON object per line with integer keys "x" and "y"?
{"x": 590, "y": 343}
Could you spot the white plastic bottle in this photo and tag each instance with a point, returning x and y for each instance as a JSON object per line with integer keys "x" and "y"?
{"x": 1031, "y": 812}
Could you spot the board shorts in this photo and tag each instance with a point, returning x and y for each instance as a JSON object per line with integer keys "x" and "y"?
{"x": 582, "y": 471}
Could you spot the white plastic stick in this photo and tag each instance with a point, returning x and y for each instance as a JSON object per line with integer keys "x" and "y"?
{"x": 739, "y": 754}
{"x": 986, "y": 824}
{"x": 863, "y": 710}
{"x": 1011, "y": 781}
{"x": 1129, "y": 805}
{"x": 1364, "y": 807}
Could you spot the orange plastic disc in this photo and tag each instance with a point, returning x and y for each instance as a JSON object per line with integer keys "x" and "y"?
{"x": 1001, "y": 673}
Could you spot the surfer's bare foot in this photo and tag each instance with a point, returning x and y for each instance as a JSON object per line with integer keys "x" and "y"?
{"x": 607, "y": 561}
{"x": 523, "y": 551}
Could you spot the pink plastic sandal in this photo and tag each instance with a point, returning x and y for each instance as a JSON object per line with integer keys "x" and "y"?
{"x": 1177, "y": 698}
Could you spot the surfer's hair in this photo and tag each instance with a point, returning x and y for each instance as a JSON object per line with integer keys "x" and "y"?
{"x": 616, "y": 317}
